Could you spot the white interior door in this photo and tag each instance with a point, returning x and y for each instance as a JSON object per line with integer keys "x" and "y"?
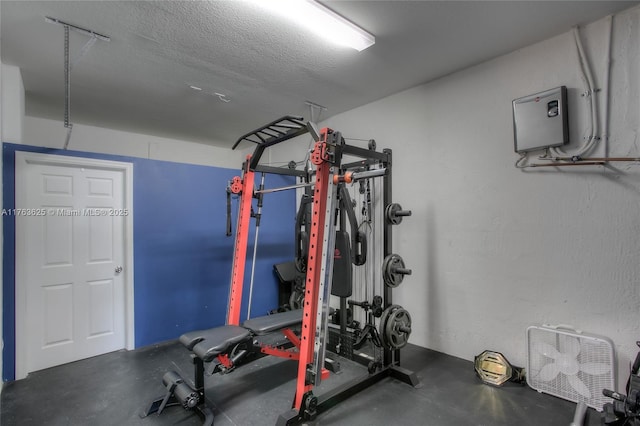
{"x": 71, "y": 258}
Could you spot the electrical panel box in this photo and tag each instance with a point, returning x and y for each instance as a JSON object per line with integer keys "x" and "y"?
{"x": 540, "y": 120}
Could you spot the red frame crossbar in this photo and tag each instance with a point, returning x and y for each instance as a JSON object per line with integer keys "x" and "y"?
{"x": 292, "y": 353}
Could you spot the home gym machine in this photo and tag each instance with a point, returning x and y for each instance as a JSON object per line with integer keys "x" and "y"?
{"x": 305, "y": 331}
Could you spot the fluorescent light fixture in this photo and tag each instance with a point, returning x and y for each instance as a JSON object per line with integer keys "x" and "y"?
{"x": 322, "y": 21}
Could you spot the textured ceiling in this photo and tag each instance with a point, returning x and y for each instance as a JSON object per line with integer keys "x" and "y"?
{"x": 265, "y": 66}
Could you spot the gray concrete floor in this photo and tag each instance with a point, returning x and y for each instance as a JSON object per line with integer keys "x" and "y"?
{"x": 113, "y": 389}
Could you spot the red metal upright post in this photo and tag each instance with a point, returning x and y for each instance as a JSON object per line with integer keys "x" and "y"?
{"x": 243, "y": 186}
{"x": 314, "y": 267}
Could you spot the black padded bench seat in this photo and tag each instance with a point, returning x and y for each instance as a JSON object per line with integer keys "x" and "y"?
{"x": 208, "y": 344}
{"x": 270, "y": 323}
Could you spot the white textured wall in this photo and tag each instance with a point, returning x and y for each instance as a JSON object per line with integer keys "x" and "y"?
{"x": 52, "y": 134}
{"x": 495, "y": 249}
{"x": 12, "y": 104}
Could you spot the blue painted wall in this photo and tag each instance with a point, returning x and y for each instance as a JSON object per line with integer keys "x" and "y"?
{"x": 182, "y": 258}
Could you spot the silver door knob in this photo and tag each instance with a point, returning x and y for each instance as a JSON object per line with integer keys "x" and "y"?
{"x": 118, "y": 269}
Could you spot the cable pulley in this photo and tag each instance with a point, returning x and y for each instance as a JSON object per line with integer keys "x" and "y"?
{"x": 235, "y": 186}
{"x": 395, "y": 327}
{"x": 394, "y": 270}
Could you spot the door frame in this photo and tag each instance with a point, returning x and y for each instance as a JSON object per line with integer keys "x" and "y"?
{"x": 23, "y": 160}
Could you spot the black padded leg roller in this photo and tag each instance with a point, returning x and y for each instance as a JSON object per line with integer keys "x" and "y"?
{"x": 187, "y": 397}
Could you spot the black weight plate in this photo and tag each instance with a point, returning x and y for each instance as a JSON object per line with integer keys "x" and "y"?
{"x": 391, "y": 262}
{"x": 390, "y": 214}
{"x": 396, "y": 338}
{"x": 383, "y": 324}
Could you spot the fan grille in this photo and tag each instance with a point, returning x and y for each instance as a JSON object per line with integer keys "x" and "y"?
{"x": 548, "y": 345}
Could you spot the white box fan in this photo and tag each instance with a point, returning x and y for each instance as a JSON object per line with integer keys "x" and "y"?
{"x": 570, "y": 364}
